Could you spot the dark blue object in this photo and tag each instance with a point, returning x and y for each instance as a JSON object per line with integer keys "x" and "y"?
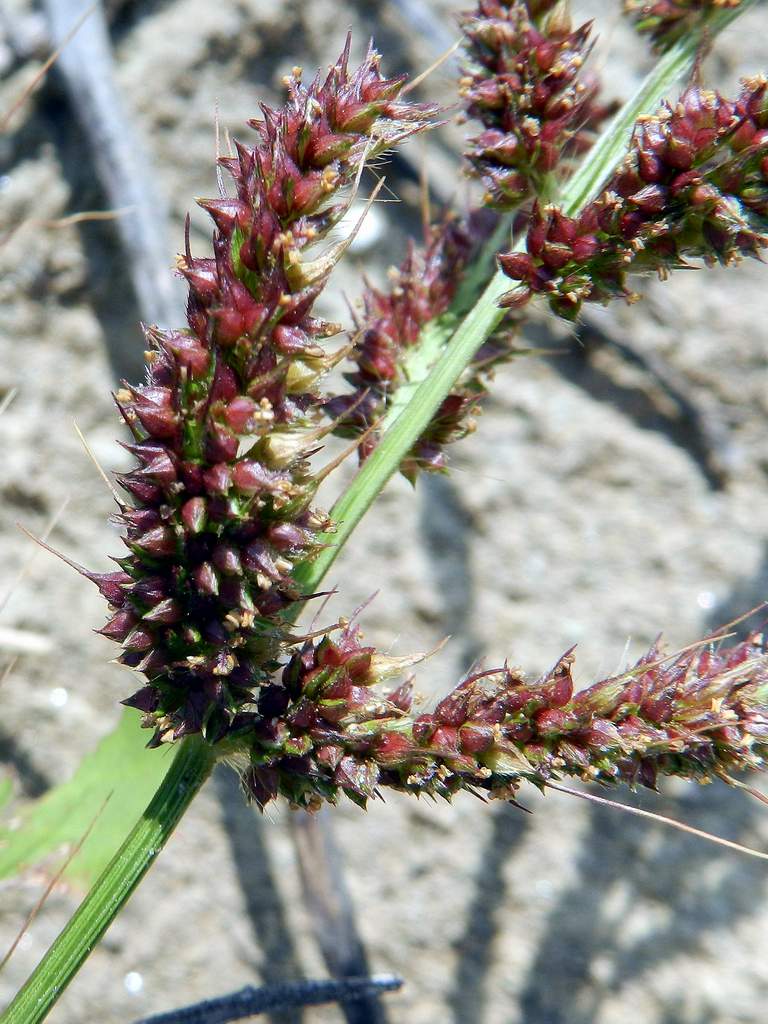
{"x": 250, "y": 1001}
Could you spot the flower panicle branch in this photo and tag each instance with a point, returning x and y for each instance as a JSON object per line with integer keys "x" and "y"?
{"x": 693, "y": 186}
{"x": 222, "y": 496}
{"x": 421, "y": 291}
{"x": 666, "y": 21}
{"x": 337, "y": 725}
{"x": 525, "y": 83}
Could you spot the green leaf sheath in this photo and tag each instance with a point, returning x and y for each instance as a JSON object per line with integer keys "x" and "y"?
{"x": 430, "y": 380}
{"x": 190, "y": 768}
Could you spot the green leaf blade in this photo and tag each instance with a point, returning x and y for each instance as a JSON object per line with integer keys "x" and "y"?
{"x": 120, "y": 777}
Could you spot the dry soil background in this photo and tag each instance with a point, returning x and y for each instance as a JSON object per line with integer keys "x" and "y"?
{"x": 578, "y": 513}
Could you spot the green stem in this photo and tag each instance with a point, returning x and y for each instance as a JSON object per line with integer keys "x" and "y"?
{"x": 190, "y": 768}
{"x": 434, "y": 365}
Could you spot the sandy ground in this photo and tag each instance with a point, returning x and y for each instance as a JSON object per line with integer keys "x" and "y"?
{"x": 579, "y": 512}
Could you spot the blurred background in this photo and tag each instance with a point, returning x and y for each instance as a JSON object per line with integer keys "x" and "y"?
{"x": 612, "y": 490}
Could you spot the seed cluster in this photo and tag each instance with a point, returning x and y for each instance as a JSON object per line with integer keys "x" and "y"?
{"x": 222, "y": 495}
{"x": 693, "y": 186}
{"x": 334, "y": 724}
{"x": 525, "y": 84}
{"x": 666, "y": 21}
{"x": 420, "y": 291}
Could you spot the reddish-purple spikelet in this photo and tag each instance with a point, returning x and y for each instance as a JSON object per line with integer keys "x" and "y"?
{"x": 222, "y": 494}
{"x": 422, "y": 289}
{"x": 693, "y": 186}
{"x": 666, "y": 21}
{"x": 339, "y": 728}
{"x": 525, "y": 83}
